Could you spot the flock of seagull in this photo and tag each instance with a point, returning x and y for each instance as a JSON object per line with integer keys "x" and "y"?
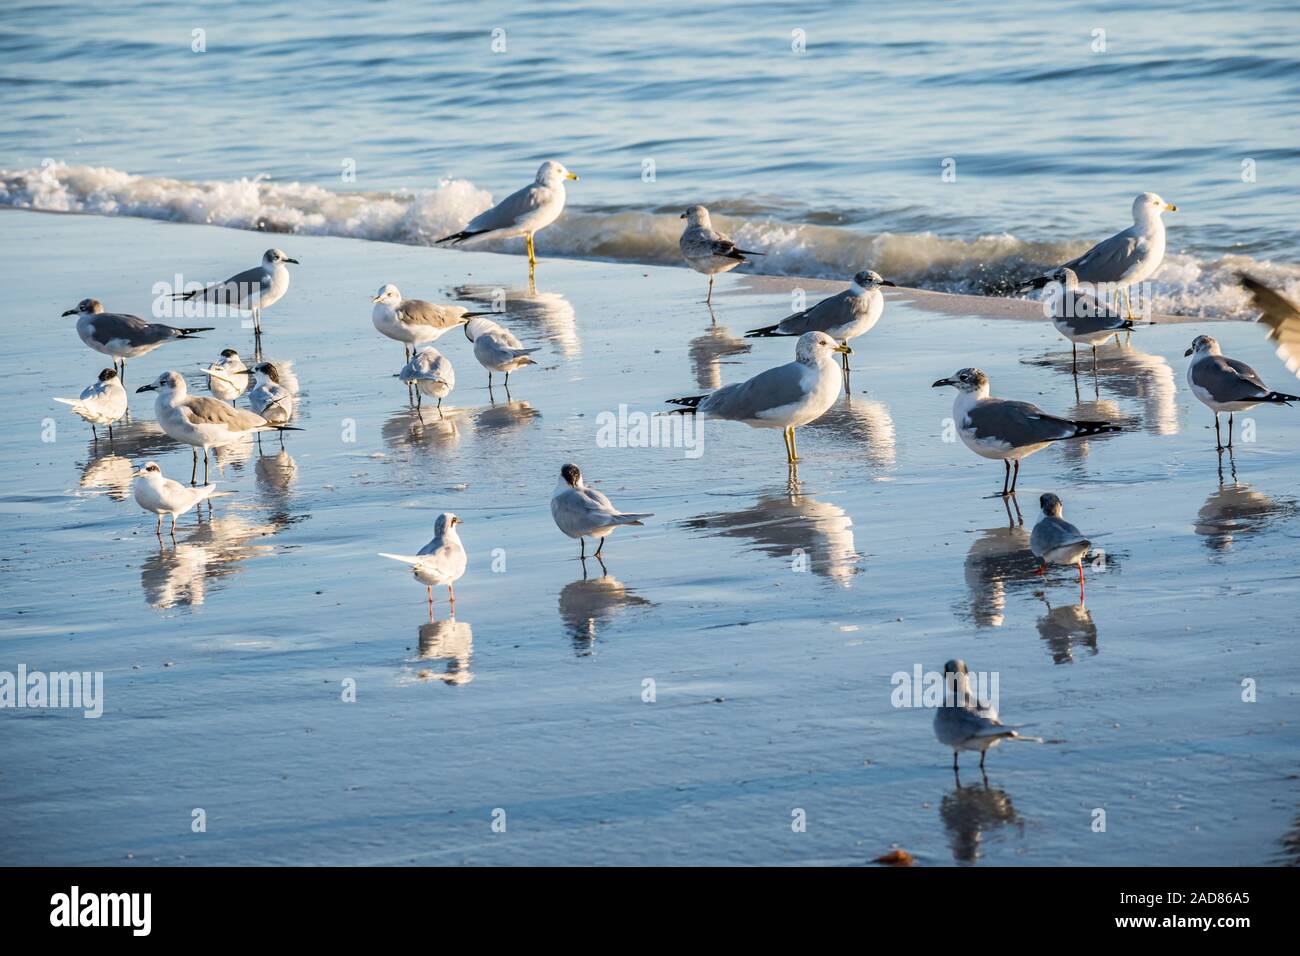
{"x": 785, "y": 397}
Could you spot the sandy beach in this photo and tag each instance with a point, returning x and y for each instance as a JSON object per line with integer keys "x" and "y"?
{"x": 226, "y": 656}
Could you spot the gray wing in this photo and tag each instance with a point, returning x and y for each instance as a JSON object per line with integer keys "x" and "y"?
{"x": 697, "y": 242}
{"x": 774, "y": 388}
{"x": 1282, "y": 317}
{"x": 210, "y": 411}
{"x": 826, "y": 314}
{"x": 135, "y": 331}
{"x": 419, "y": 312}
{"x": 510, "y": 210}
{"x": 232, "y": 291}
{"x": 1053, "y": 532}
{"x": 1110, "y": 258}
{"x": 1228, "y": 380}
{"x": 1086, "y": 315}
{"x": 1018, "y": 423}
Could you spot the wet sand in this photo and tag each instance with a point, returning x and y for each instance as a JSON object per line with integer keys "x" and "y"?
{"x": 224, "y": 655}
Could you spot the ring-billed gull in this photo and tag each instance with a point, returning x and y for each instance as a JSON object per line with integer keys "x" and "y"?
{"x": 784, "y": 397}
{"x": 431, "y": 373}
{"x": 441, "y": 561}
{"x": 102, "y": 403}
{"x": 522, "y": 213}
{"x": 252, "y": 290}
{"x": 582, "y": 512}
{"x": 705, "y": 249}
{"x": 1056, "y": 541}
{"x": 1007, "y": 430}
{"x": 226, "y": 378}
{"x": 1226, "y": 385}
{"x": 1080, "y": 317}
{"x": 497, "y": 349}
{"x": 964, "y": 723}
{"x": 163, "y": 496}
{"x": 120, "y": 335}
{"x": 843, "y": 316}
{"x": 1126, "y": 258}
{"x": 414, "y": 322}
{"x": 202, "y": 422}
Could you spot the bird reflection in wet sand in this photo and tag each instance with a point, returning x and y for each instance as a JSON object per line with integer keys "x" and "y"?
{"x": 506, "y": 416}
{"x": 549, "y": 313}
{"x": 588, "y": 606}
{"x": 179, "y": 574}
{"x": 969, "y": 813}
{"x": 997, "y": 561}
{"x": 864, "y": 422}
{"x": 1126, "y": 372}
{"x": 110, "y": 473}
{"x": 1098, "y": 409}
{"x": 276, "y": 473}
{"x": 450, "y": 641}
{"x": 135, "y": 440}
{"x": 790, "y": 526}
{"x": 708, "y": 350}
{"x": 1236, "y": 510}
{"x": 1066, "y": 627}
{"x": 410, "y": 428}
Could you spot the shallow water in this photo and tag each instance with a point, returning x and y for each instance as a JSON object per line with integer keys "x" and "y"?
{"x": 830, "y": 160}
{"x": 223, "y": 655}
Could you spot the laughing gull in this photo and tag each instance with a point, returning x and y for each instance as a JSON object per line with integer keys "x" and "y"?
{"x": 1006, "y": 430}
{"x": 522, "y": 213}
{"x": 1282, "y": 316}
{"x": 497, "y": 349}
{"x": 581, "y": 512}
{"x": 122, "y": 336}
{"x": 441, "y": 561}
{"x": 1126, "y": 258}
{"x": 431, "y": 373}
{"x": 784, "y": 397}
{"x": 252, "y": 290}
{"x": 163, "y": 496}
{"x": 705, "y": 249}
{"x": 226, "y": 378}
{"x": 844, "y": 316}
{"x": 1226, "y": 385}
{"x": 964, "y": 723}
{"x": 414, "y": 321}
{"x": 1056, "y": 541}
{"x": 202, "y": 422}
{"x": 102, "y": 403}
{"x": 1080, "y": 317}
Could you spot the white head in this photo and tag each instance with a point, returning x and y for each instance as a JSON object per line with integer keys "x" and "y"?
{"x": 150, "y": 470}
{"x": 272, "y": 256}
{"x": 866, "y": 279}
{"x": 86, "y": 307}
{"x": 1203, "y": 345}
{"x": 388, "y": 295}
{"x": 552, "y": 174}
{"x": 969, "y": 380}
{"x": 168, "y": 384}
{"x": 697, "y": 216}
{"x": 445, "y": 525}
{"x": 1150, "y": 206}
{"x": 813, "y": 348}
{"x": 479, "y": 325}
{"x": 1066, "y": 278}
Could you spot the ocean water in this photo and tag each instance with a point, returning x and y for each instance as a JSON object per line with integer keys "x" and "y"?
{"x": 819, "y": 135}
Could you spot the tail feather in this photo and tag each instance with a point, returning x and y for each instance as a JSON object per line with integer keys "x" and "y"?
{"x": 475, "y": 315}
{"x": 1036, "y": 283}
{"x": 1084, "y": 429}
{"x": 411, "y": 559}
{"x": 74, "y": 402}
{"x": 750, "y": 252}
{"x": 459, "y": 237}
{"x": 690, "y": 401}
{"x": 767, "y": 331}
{"x": 629, "y": 519}
{"x": 1275, "y": 398}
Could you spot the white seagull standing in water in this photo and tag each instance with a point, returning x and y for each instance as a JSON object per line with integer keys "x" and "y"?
{"x": 163, "y": 496}
{"x": 963, "y": 723}
{"x": 252, "y": 290}
{"x": 100, "y": 404}
{"x": 441, "y": 561}
{"x": 226, "y": 378}
{"x": 1056, "y": 541}
{"x": 522, "y": 213}
{"x": 497, "y": 349}
{"x": 1226, "y": 385}
{"x": 843, "y": 316}
{"x": 431, "y": 373}
{"x": 582, "y": 512}
{"x": 705, "y": 249}
{"x": 122, "y": 336}
{"x": 413, "y": 322}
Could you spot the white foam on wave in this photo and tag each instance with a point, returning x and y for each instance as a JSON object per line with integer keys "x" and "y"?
{"x": 983, "y": 265}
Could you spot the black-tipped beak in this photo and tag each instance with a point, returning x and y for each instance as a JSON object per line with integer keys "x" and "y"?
{"x": 71, "y": 312}
{"x": 294, "y": 261}
{"x": 146, "y": 388}
{"x": 942, "y": 381}
{"x": 1187, "y": 353}
{"x": 682, "y": 216}
{"x": 892, "y": 285}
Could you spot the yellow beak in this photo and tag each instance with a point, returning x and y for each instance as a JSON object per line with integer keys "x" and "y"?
{"x": 843, "y": 348}
{"x": 573, "y": 176}
{"x": 1170, "y": 207}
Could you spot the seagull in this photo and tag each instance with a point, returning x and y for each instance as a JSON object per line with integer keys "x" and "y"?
{"x": 1056, "y": 541}
{"x": 784, "y": 397}
{"x": 497, "y": 349}
{"x": 844, "y": 316}
{"x": 100, "y": 404}
{"x": 1282, "y": 316}
{"x": 522, "y": 213}
{"x": 269, "y": 397}
{"x": 705, "y": 249}
{"x": 122, "y": 336}
{"x": 202, "y": 422}
{"x": 226, "y": 377}
{"x": 1226, "y": 385}
{"x": 414, "y": 321}
{"x": 1126, "y": 258}
{"x": 964, "y": 723}
{"x": 1080, "y": 317}
{"x": 1007, "y": 430}
{"x": 431, "y": 373}
{"x": 441, "y": 561}
{"x": 581, "y": 512}
{"x": 163, "y": 496}
{"x": 253, "y": 289}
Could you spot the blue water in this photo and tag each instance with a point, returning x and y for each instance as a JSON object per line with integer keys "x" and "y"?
{"x": 831, "y": 156}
